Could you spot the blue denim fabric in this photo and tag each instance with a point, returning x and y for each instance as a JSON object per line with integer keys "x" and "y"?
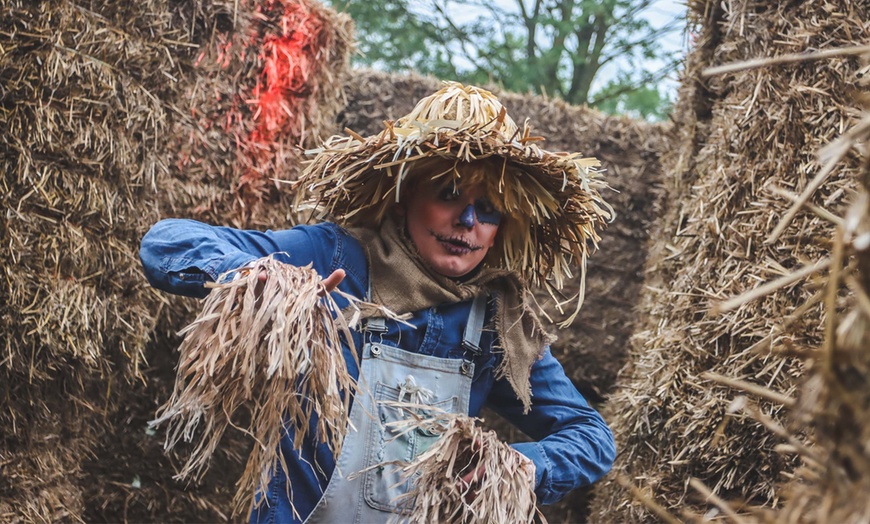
{"x": 573, "y": 446}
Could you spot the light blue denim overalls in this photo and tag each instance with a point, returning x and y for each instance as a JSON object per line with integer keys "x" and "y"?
{"x": 388, "y": 373}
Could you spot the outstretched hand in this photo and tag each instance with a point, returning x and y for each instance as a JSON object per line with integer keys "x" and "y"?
{"x": 332, "y": 281}
{"x": 470, "y": 482}
{"x": 329, "y": 283}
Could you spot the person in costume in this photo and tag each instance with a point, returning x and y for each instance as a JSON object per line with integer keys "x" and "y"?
{"x": 448, "y": 218}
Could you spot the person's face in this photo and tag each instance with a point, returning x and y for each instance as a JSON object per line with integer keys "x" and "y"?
{"x": 452, "y": 227}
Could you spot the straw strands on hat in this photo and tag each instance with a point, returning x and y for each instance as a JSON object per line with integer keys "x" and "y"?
{"x": 272, "y": 347}
{"x": 502, "y": 488}
{"x": 749, "y": 154}
{"x": 551, "y": 202}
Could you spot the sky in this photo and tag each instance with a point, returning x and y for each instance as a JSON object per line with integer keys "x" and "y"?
{"x": 659, "y": 13}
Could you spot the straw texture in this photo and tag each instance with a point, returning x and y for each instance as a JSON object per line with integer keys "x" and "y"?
{"x": 748, "y": 149}
{"x": 116, "y": 114}
{"x": 501, "y": 489}
{"x": 273, "y": 348}
{"x": 834, "y": 483}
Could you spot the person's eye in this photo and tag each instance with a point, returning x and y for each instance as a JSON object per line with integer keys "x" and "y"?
{"x": 448, "y": 193}
{"x": 486, "y": 212}
{"x": 484, "y": 206}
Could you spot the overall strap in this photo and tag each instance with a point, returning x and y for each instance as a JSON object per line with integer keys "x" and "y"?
{"x": 374, "y": 324}
{"x": 474, "y": 327}
{"x": 471, "y": 338}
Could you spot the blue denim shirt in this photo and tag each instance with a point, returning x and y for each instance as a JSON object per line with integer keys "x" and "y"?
{"x": 573, "y": 446}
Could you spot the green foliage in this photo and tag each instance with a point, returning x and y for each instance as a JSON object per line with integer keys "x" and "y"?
{"x": 639, "y": 100}
{"x": 556, "y": 47}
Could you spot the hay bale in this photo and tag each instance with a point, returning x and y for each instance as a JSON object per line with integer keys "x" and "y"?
{"x": 828, "y": 426}
{"x": 97, "y": 102}
{"x": 595, "y": 347}
{"x": 747, "y": 145}
{"x": 833, "y": 400}
{"x": 79, "y": 149}
{"x": 269, "y": 79}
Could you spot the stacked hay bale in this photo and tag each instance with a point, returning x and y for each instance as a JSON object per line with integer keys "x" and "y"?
{"x": 833, "y": 400}
{"x": 747, "y": 148}
{"x": 80, "y": 161}
{"x": 102, "y": 121}
{"x": 595, "y": 347}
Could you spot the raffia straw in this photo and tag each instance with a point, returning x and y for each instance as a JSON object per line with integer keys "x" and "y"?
{"x": 785, "y": 59}
{"x": 769, "y": 287}
{"x": 504, "y": 493}
{"x": 714, "y": 499}
{"x": 257, "y": 345}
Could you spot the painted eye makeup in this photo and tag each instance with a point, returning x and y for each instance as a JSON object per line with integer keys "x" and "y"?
{"x": 486, "y": 212}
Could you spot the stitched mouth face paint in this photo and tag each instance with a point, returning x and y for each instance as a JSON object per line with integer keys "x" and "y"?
{"x": 456, "y": 242}
{"x": 452, "y": 226}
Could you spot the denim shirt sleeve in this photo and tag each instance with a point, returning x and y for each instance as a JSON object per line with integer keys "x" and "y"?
{"x": 180, "y": 255}
{"x": 574, "y": 447}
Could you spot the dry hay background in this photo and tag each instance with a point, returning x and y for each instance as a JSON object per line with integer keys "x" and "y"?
{"x": 113, "y": 118}
{"x": 116, "y": 114}
{"x": 595, "y": 347}
{"x": 747, "y": 145}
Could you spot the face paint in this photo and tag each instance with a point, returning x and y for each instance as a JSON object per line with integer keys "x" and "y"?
{"x": 486, "y": 212}
{"x": 467, "y": 216}
{"x": 445, "y": 225}
{"x": 481, "y": 209}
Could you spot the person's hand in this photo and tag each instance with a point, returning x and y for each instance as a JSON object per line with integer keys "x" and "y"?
{"x": 332, "y": 281}
{"x": 329, "y": 283}
{"x": 470, "y": 481}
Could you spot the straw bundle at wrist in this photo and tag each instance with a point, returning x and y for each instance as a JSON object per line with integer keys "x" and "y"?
{"x": 272, "y": 347}
{"x": 504, "y": 491}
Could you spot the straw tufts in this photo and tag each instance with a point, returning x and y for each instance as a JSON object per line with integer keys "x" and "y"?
{"x": 737, "y": 238}
{"x": 504, "y": 491}
{"x": 256, "y": 345}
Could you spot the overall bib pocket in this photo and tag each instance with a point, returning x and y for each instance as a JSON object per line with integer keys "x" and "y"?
{"x": 383, "y": 484}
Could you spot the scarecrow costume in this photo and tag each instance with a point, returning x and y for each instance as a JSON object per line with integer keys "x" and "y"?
{"x": 465, "y": 343}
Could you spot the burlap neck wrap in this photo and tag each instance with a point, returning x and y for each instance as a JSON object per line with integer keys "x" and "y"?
{"x": 402, "y": 283}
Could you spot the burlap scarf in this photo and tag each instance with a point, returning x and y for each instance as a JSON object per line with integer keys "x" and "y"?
{"x": 401, "y": 283}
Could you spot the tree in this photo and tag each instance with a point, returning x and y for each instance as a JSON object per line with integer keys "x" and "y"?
{"x": 554, "y": 47}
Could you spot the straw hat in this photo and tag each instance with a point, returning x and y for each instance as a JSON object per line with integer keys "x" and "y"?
{"x": 551, "y": 207}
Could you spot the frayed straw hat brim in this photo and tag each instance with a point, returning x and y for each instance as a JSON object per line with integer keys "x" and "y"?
{"x": 551, "y": 202}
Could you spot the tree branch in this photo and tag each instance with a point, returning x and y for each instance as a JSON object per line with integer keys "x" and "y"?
{"x": 646, "y": 79}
